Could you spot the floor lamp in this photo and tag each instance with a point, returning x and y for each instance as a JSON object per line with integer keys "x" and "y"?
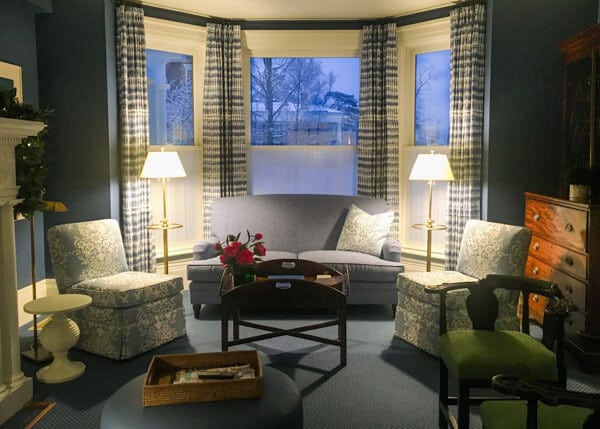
{"x": 37, "y": 353}
{"x": 431, "y": 167}
{"x": 163, "y": 165}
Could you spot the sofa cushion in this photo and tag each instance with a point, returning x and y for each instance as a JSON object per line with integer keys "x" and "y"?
{"x": 361, "y": 267}
{"x": 293, "y": 223}
{"x": 128, "y": 288}
{"x": 363, "y": 232}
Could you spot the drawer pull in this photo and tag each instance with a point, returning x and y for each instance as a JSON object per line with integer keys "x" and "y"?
{"x": 569, "y": 261}
{"x": 569, "y": 288}
{"x": 569, "y": 227}
{"x": 536, "y": 270}
{"x": 535, "y": 297}
{"x": 536, "y": 246}
{"x": 536, "y": 217}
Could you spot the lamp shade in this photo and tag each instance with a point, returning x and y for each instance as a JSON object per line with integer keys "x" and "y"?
{"x": 162, "y": 165}
{"x": 431, "y": 166}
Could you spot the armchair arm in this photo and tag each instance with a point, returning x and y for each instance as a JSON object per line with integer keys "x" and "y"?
{"x": 391, "y": 250}
{"x": 205, "y": 249}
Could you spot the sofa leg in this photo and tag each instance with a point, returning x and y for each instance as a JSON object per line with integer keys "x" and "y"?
{"x": 196, "y": 308}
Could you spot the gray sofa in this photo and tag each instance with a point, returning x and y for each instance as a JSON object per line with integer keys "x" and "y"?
{"x": 297, "y": 226}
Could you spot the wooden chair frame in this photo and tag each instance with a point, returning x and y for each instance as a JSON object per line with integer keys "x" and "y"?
{"x": 534, "y": 392}
{"x": 482, "y": 308}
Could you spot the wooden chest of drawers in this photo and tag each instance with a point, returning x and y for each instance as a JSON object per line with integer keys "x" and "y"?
{"x": 565, "y": 249}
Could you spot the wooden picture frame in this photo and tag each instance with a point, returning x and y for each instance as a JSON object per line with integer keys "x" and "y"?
{"x": 10, "y": 74}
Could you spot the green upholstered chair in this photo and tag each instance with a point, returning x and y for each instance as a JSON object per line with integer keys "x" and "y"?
{"x": 542, "y": 406}
{"x": 131, "y": 311}
{"x": 474, "y": 356}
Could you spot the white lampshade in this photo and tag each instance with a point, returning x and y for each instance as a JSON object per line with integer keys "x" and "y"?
{"x": 431, "y": 166}
{"x": 162, "y": 165}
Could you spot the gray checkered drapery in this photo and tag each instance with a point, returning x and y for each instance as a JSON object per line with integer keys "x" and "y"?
{"x": 136, "y": 209}
{"x": 224, "y": 143}
{"x": 378, "y": 117}
{"x": 467, "y": 72}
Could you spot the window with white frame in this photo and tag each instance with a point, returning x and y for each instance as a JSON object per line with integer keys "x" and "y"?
{"x": 424, "y": 94}
{"x": 303, "y": 91}
{"x": 174, "y": 66}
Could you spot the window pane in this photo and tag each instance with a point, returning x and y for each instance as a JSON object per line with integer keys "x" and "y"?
{"x": 306, "y": 103}
{"x": 170, "y": 98}
{"x": 432, "y": 98}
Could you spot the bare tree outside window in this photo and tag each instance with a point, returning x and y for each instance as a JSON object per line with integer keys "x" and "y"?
{"x": 170, "y": 98}
{"x": 295, "y": 101}
{"x": 432, "y": 98}
{"x": 304, "y": 130}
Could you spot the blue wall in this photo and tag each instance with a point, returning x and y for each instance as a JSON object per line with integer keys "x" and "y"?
{"x": 523, "y": 139}
{"x": 18, "y": 46}
{"x": 77, "y": 77}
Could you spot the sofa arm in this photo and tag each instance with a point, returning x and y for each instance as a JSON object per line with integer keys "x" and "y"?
{"x": 205, "y": 249}
{"x": 391, "y": 250}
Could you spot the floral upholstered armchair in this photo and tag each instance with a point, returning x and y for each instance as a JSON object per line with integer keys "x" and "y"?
{"x": 131, "y": 311}
{"x": 486, "y": 248}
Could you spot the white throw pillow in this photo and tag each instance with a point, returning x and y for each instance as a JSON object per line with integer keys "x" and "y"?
{"x": 363, "y": 232}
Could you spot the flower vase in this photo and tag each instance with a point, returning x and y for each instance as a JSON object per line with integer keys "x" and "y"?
{"x": 242, "y": 275}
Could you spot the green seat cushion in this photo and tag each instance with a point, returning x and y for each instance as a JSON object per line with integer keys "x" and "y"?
{"x": 481, "y": 354}
{"x": 513, "y": 415}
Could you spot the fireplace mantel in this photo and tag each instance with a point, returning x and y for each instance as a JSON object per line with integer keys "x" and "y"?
{"x": 15, "y": 388}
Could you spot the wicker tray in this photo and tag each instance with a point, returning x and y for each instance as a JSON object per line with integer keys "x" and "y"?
{"x": 159, "y": 389}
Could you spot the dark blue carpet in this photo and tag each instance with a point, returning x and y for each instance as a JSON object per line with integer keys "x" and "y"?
{"x": 387, "y": 383}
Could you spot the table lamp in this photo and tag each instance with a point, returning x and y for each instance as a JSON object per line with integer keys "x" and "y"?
{"x": 163, "y": 165}
{"x": 431, "y": 167}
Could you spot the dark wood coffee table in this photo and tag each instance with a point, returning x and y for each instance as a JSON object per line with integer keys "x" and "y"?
{"x": 300, "y": 284}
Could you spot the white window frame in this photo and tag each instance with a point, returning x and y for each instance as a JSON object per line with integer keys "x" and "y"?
{"x": 184, "y": 195}
{"x": 411, "y": 40}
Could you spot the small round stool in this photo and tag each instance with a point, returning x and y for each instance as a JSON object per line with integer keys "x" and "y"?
{"x": 59, "y": 335}
{"x": 279, "y": 407}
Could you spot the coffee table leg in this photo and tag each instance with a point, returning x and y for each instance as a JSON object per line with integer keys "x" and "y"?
{"x": 236, "y": 324}
{"x": 342, "y": 334}
{"x": 224, "y": 328}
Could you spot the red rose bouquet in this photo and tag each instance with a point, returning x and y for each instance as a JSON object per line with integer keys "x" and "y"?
{"x": 240, "y": 257}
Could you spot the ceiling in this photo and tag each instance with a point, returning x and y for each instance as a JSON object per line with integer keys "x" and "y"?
{"x": 299, "y": 9}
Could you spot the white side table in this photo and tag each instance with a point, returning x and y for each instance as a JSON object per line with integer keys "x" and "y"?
{"x": 59, "y": 335}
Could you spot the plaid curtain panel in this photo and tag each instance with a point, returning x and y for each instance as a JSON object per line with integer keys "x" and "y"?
{"x": 224, "y": 141}
{"x": 378, "y": 117}
{"x": 136, "y": 209}
{"x": 467, "y": 70}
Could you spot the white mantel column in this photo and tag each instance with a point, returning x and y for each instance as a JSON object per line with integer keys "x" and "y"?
{"x": 15, "y": 388}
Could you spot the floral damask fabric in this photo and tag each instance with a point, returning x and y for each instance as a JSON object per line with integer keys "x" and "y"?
{"x": 486, "y": 248}
{"x": 493, "y": 248}
{"x": 131, "y": 311}
{"x": 121, "y": 333}
{"x": 363, "y": 232}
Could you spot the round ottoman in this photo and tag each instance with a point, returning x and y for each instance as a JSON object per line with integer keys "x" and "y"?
{"x": 279, "y": 407}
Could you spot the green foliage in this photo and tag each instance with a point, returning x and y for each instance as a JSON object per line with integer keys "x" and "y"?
{"x": 30, "y": 154}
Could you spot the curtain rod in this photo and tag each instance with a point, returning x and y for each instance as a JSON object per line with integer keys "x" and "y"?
{"x": 340, "y": 24}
